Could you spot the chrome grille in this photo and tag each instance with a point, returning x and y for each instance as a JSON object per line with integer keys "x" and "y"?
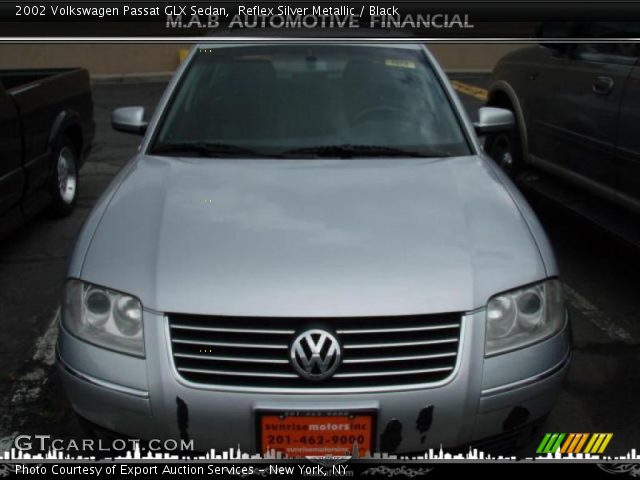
{"x": 253, "y": 352}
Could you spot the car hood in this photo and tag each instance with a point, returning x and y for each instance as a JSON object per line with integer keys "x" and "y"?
{"x": 311, "y": 237}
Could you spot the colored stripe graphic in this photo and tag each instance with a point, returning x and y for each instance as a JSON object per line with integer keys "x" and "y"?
{"x": 550, "y": 443}
{"x": 592, "y": 440}
{"x": 606, "y": 441}
{"x": 574, "y": 442}
{"x": 596, "y": 443}
{"x": 543, "y": 443}
{"x": 578, "y": 448}
{"x": 571, "y": 439}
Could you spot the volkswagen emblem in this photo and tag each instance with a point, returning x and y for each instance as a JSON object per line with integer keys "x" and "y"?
{"x": 315, "y": 354}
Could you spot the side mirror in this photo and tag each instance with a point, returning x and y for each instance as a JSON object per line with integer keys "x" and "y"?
{"x": 129, "y": 120}
{"x": 492, "y": 120}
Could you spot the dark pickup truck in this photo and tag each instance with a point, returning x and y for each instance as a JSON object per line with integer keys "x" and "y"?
{"x": 46, "y": 131}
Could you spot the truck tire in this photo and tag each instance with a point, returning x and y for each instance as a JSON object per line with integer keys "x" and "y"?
{"x": 63, "y": 184}
{"x": 506, "y": 150}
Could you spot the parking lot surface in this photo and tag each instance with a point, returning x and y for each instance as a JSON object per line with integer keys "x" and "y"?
{"x": 601, "y": 277}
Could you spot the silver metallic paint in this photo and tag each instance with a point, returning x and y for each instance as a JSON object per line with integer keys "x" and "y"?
{"x": 313, "y": 238}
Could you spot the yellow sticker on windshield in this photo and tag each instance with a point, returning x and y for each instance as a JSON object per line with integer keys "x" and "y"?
{"x": 396, "y": 62}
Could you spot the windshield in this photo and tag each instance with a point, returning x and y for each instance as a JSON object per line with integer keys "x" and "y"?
{"x": 310, "y": 100}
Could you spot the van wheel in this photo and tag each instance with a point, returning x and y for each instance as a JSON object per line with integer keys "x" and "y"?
{"x": 506, "y": 150}
{"x": 63, "y": 184}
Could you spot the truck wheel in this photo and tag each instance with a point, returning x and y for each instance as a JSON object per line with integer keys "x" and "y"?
{"x": 64, "y": 178}
{"x": 506, "y": 151}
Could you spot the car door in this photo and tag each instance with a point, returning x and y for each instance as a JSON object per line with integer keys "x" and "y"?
{"x": 574, "y": 124}
{"x": 628, "y": 145}
{"x": 11, "y": 171}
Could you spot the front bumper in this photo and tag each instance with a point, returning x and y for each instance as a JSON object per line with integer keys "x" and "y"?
{"x": 144, "y": 398}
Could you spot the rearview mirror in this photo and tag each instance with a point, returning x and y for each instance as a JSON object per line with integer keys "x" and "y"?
{"x": 492, "y": 119}
{"x": 129, "y": 120}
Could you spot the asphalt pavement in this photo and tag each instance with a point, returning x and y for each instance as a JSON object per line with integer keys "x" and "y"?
{"x": 601, "y": 276}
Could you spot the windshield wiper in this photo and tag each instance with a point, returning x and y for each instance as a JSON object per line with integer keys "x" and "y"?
{"x": 213, "y": 149}
{"x": 351, "y": 150}
{"x": 205, "y": 149}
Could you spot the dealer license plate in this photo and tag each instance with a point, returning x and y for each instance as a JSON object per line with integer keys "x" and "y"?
{"x": 303, "y": 434}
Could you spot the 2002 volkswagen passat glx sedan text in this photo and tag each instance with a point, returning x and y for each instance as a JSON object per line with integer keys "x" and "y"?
{"x": 311, "y": 254}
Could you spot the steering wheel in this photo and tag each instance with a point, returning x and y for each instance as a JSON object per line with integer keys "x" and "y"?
{"x": 380, "y": 110}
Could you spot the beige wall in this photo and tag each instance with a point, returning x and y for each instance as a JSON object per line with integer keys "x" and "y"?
{"x": 471, "y": 57}
{"x": 98, "y": 59}
{"x": 128, "y": 59}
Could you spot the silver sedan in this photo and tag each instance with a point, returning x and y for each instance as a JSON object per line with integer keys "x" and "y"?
{"x": 311, "y": 254}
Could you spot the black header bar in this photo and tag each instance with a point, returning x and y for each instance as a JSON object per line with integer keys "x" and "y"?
{"x": 425, "y": 19}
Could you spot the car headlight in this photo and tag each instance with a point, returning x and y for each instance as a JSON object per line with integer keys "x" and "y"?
{"x": 103, "y": 317}
{"x": 524, "y": 316}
